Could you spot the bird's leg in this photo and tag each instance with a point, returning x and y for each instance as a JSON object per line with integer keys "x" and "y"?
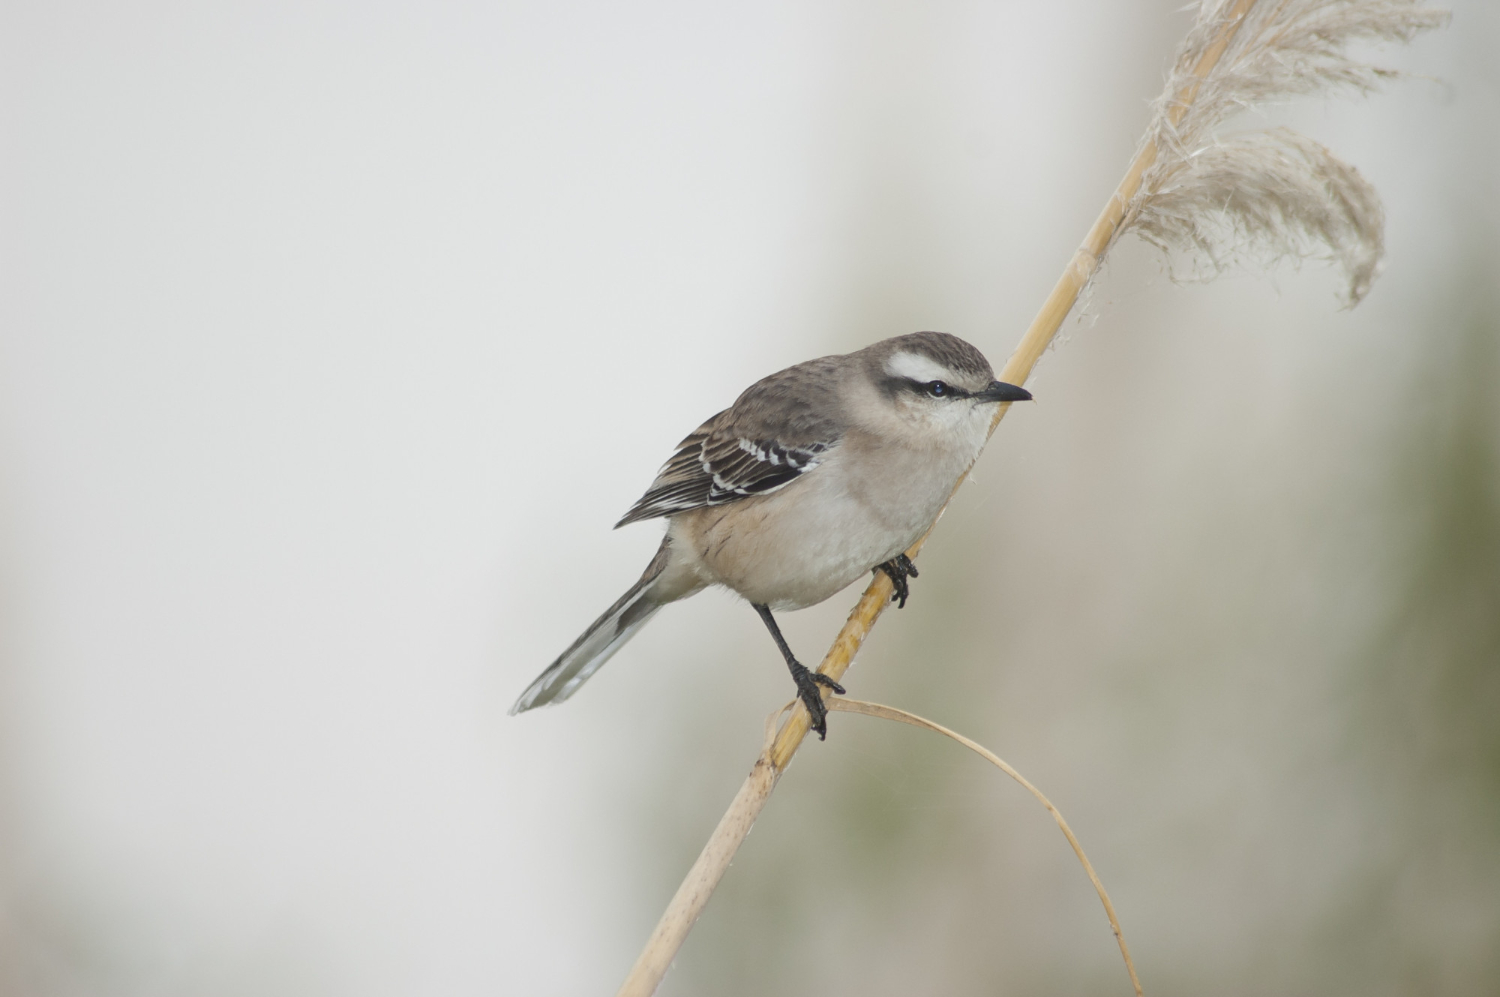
{"x": 899, "y": 568}
{"x": 807, "y": 680}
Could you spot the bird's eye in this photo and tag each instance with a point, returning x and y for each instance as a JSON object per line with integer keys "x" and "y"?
{"x": 937, "y": 389}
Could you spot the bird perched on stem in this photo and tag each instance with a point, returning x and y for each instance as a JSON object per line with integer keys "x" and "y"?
{"x": 814, "y": 476}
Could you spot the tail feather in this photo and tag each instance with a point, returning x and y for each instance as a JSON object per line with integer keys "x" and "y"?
{"x": 602, "y": 639}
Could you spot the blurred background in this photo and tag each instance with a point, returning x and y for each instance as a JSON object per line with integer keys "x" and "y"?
{"x": 334, "y": 337}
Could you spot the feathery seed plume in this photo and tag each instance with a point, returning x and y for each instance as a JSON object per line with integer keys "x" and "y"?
{"x": 1274, "y": 194}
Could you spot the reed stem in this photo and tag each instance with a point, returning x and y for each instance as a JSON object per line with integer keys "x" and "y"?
{"x": 692, "y": 896}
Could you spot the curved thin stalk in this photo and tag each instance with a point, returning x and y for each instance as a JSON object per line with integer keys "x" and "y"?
{"x": 901, "y": 716}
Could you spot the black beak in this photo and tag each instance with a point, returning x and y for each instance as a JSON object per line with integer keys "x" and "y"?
{"x": 999, "y": 391}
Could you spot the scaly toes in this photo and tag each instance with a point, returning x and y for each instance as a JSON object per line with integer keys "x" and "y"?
{"x": 899, "y": 568}
{"x": 824, "y": 680}
{"x": 807, "y": 691}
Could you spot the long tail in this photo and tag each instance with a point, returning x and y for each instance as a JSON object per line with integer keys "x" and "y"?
{"x": 606, "y": 636}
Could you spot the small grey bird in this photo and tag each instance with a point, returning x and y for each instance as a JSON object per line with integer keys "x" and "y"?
{"x": 814, "y": 476}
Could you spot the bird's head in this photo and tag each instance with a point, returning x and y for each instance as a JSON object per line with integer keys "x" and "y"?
{"x": 933, "y": 382}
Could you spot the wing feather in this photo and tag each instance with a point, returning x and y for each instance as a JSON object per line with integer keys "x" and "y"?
{"x": 781, "y": 428}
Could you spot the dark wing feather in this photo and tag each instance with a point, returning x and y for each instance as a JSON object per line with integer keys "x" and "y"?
{"x": 681, "y": 483}
{"x": 782, "y": 427}
{"x": 738, "y": 467}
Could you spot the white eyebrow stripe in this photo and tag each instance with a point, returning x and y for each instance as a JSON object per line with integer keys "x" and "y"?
{"x": 917, "y": 367}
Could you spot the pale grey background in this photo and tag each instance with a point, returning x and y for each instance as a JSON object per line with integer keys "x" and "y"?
{"x": 335, "y": 337}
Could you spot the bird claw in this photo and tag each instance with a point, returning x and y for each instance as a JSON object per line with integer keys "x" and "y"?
{"x": 899, "y": 568}
{"x": 807, "y": 690}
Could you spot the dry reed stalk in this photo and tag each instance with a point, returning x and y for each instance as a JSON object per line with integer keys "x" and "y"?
{"x": 1272, "y": 192}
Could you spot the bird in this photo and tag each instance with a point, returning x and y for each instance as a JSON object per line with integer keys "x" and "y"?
{"x": 816, "y": 475}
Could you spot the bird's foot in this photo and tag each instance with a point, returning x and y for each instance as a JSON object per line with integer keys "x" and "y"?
{"x": 899, "y": 568}
{"x": 807, "y": 690}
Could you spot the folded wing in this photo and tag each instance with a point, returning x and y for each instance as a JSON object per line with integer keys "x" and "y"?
{"x": 780, "y": 429}
{"x": 711, "y": 469}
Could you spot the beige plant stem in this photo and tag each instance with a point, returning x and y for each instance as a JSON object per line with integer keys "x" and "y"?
{"x": 1080, "y": 270}
{"x": 692, "y": 896}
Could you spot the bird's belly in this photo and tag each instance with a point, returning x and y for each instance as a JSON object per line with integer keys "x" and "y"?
{"x": 796, "y": 547}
